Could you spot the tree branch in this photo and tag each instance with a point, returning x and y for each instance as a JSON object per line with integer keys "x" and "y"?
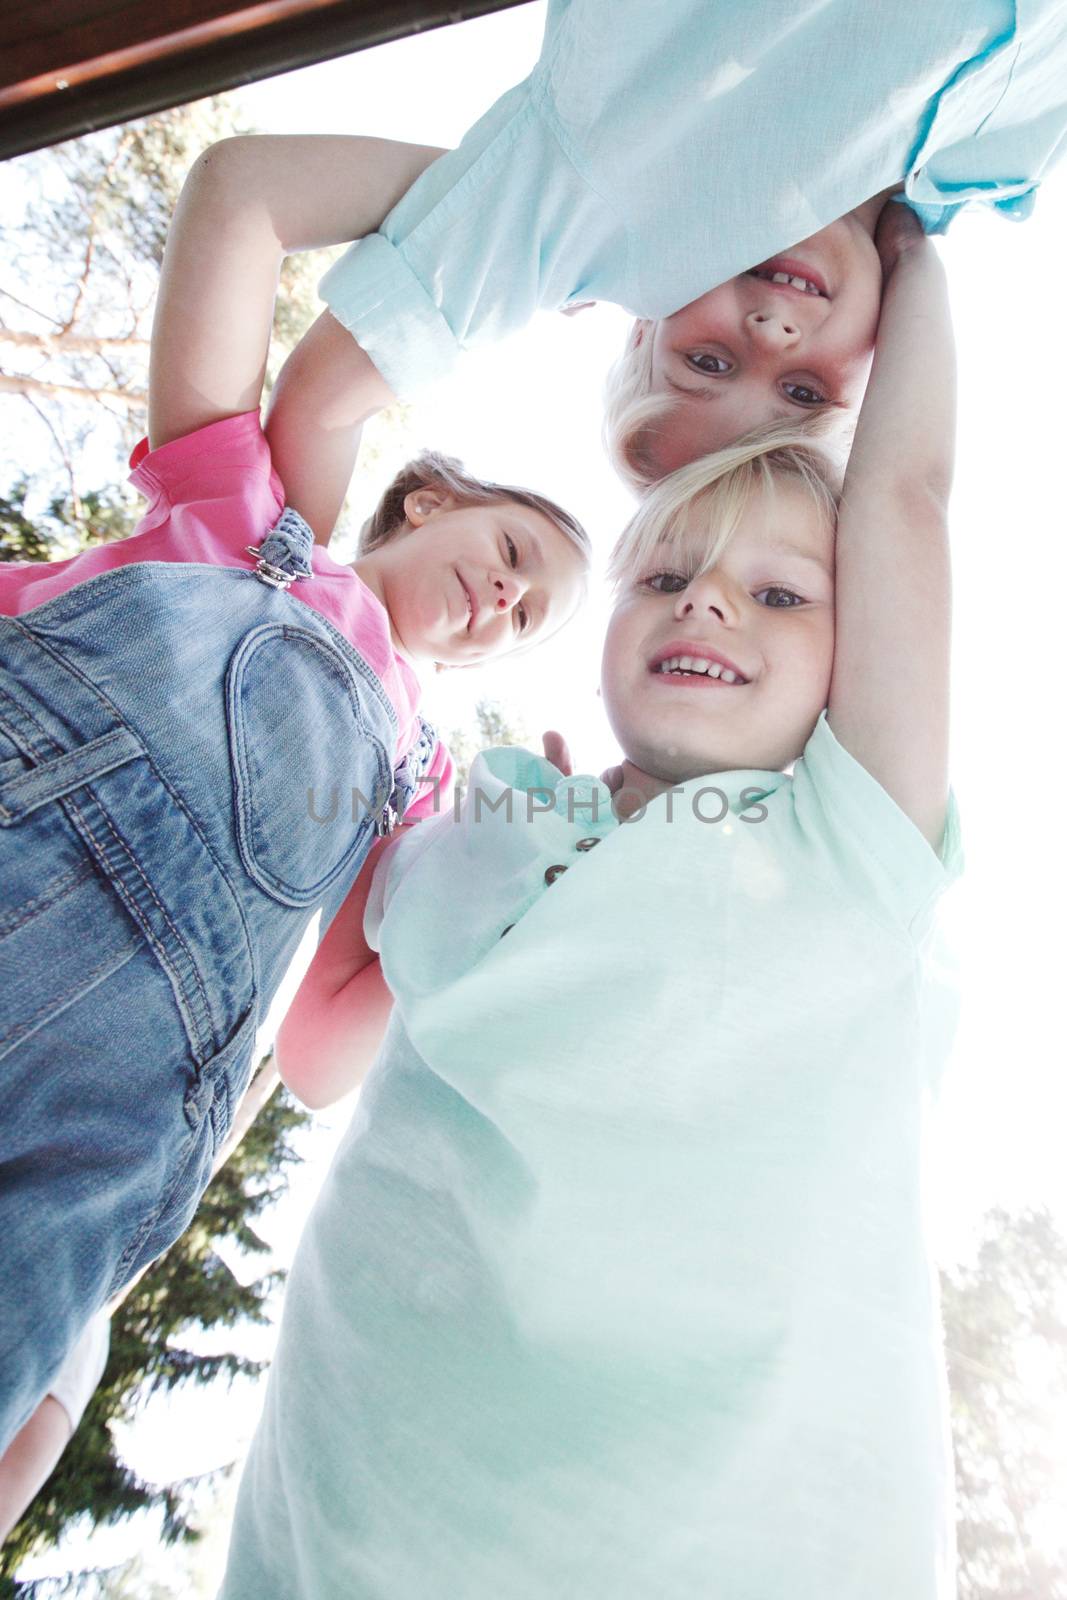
{"x": 64, "y": 455}
{"x": 57, "y": 344}
{"x": 132, "y": 399}
{"x": 26, "y": 307}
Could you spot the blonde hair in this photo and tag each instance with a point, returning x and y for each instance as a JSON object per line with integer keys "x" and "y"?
{"x": 433, "y": 471}
{"x": 717, "y": 488}
{"x": 633, "y": 411}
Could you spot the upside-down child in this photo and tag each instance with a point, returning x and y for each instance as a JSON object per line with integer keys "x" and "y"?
{"x": 167, "y": 704}
{"x": 715, "y": 170}
{"x": 619, "y": 1284}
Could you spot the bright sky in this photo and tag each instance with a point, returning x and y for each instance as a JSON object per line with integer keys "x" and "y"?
{"x": 529, "y": 413}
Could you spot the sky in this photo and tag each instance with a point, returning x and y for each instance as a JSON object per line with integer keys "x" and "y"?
{"x": 528, "y": 412}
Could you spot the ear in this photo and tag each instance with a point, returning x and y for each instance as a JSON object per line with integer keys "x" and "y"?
{"x": 641, "y": 330}
{"x": 421, "y": 504}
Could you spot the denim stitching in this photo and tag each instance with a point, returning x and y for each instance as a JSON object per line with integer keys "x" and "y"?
{"x": 57, "y": 1001}
{"x": 57, "y": 890}
{"x": 250, "y": 826}
{"x": 75, "y": 671}
{"x": 153, "y": 939}
{"x": 182, "y": 1156}
{"x": 102, "y": 760}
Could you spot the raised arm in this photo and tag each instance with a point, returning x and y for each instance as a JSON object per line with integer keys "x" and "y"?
{"x": 889, "y": 691}
{"x": 247, "y": 202}
{"x": 323, "y": 395}
{"x": 332, "y": 1030}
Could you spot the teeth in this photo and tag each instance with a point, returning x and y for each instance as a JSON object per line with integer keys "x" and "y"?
{"x": 699, "y": 664}
{"x": 788, "y": 277}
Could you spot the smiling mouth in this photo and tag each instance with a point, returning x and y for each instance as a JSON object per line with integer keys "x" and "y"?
{"x": 472, "y": 609}
{"x": 789, "y": 276}
{"x": 697, "y": 669}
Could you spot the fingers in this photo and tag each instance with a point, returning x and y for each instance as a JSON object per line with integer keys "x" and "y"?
{"x": 556, "y": 751}
{"x": 898, "y": 231}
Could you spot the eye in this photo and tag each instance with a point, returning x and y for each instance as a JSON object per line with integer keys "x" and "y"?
{"x": 513, "y": 554}
{"x": 777, "y": 588}
{"x": 803, "y": 395}
{"x": 711, "y": 365}
{"x": 667, "y": 582}
{"x": 523, "y": 616}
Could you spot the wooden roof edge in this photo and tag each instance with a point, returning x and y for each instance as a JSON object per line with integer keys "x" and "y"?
{"x": 205, "y": 61}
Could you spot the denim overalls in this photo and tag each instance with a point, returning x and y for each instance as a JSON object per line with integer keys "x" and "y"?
{"x": 165, "y": 733}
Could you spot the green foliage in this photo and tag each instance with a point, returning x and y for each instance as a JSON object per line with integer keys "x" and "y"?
{"x": 65, "y": 526}
{"x": 1006, "y": 1334}
{"x": 189, "y": 1287}
{"x": 495, "y": 725}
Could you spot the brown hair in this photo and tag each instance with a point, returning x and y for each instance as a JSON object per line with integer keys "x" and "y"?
{"x": 432, "y": 471}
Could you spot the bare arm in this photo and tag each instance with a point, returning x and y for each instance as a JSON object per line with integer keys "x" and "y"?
{"x": 29, "y": 1459}
{"x": 335, "y": 1024}
{"x": 889, "y": 691}
{"x": 324, "y": 393}
{"x": 247, "y": 202}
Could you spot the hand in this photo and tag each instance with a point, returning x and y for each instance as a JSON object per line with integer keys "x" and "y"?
{"x": 897, "y": 233}
{"x": 556, "y": 751}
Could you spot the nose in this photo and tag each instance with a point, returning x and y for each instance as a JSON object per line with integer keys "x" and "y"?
{"x": 770, "y": 331}
{"x": 707, "y": 593}
{"x": 508, "y": 589}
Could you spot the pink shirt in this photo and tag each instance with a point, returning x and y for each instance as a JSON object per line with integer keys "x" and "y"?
{"x": 209, "y": 495}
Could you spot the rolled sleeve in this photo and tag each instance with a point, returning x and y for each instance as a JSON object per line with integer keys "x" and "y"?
{"x": 375, "y": 294}
{"x": 495, "y": 230}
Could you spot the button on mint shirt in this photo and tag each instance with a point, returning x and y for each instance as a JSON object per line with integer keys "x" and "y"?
{"x": 618, "y": 1286}
{"x": 658, "y": 149}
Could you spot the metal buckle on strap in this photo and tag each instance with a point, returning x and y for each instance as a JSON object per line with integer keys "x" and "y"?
{"x": 388, "y": 820}
{"x": 276, "y": 577}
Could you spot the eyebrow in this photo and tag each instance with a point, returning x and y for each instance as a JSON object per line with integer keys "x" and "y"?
{"x": 786, "y": 547}
{"x": 789, "y": 408}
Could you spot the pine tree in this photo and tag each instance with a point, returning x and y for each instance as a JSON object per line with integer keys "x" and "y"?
{"x": 189, "y": 1287}
{"x": 1006, "y": 1335}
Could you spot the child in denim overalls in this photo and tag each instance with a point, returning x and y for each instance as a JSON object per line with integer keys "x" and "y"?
{"x": 175, "y": 712}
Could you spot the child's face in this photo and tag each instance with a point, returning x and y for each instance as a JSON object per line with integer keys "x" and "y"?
{"x": 464, "y": 583}
{"x": 675, "y": 727}
{"x": 752, "y": 350}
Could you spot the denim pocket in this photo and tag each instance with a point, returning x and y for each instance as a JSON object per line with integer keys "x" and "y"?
{"x": 63, "y": 930}
{"x": 310, "y": 770}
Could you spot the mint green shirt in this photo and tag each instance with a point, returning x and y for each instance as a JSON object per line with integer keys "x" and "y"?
{"x": 618, "y": 1285}
{"x": 658, "y": 149}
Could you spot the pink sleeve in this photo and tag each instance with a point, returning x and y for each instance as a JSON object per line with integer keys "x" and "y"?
{"x": 434, "y": 794}
{"x": 216, "y": 487}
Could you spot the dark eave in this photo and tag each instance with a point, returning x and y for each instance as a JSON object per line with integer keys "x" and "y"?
{"x": 69, "y": 66}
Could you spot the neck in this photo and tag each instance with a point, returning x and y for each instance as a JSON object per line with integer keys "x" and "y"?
{"x": 634, "y": 787}
{"x": 371, "y": 570}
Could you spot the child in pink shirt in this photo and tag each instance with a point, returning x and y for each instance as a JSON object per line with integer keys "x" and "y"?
{"x": 180, "y": 715}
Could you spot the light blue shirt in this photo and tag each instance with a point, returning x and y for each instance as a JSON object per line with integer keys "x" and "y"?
{"x": 660, "y": 147}
{"x": 618, "y": 1285}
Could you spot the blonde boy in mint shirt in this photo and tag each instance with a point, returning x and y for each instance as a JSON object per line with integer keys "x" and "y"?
{"x": 692, "y": 162}
{"x": 619, "y": 1284}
